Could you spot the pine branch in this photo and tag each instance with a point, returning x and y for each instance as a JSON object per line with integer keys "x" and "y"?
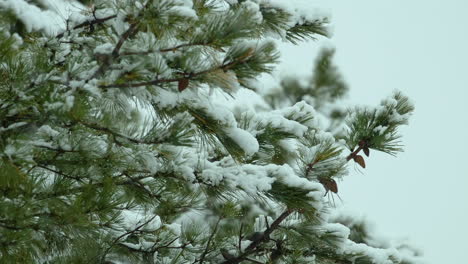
{"x": 173, "y": 49}
{"x": 96, "y": 186}
{"x": 66, "y": 203}
{"x": 109, "y": 131}
{"x": 187, "y": 77}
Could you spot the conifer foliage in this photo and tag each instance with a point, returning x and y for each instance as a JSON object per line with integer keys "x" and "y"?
{"x": 114, "y": 149}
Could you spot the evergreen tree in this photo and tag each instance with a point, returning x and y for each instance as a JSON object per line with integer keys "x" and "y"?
{"x": 115, "y": 149}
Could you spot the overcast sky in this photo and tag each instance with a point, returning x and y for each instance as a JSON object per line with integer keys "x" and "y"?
{"x": 421, "y": 48}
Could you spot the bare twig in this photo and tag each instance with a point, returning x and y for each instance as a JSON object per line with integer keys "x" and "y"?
{"x": 353, "y": 154}
{"x": 265, "y": 236}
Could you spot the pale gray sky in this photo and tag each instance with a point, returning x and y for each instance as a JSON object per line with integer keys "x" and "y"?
{"x": 421, "y": 48}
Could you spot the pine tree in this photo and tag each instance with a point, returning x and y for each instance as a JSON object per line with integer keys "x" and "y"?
{"x": 115, "y": 149}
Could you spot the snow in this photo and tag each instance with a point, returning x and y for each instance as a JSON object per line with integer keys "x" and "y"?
{"x": 302, "y": 10}
{"x": 338, "y": 230}
{"x": 168, "y": 99}
{"x": 18, "y": 41}
{"x": 379, "y": 255}
{"x": 225, "y": 117}
{"x": 380, "y": 129}
{"x": 390, "y": 101}
{"x": 186, "y": 172}
{"x": 276, "y": 120}
{"x": 133, "y": 219}
{"x": 175, "y": 228}
{"x": 255, "y": 9}
{"x": 258, "y": 178}
{"x": 248, "y": 177}
{"x": 76, "y": 84}
{"x": 69, "y": 101}
{"x": 13, "y": 126}
{"x": 243, "y": 139}
{"x": 150, "y": 162}
{"x": 63, "y": 144}
{"x": 397, "y": 118}
{"x": 184, "y": 8}
{"x": 41, "y": 143}
{"x": 379, "y": 248}
{"x": 9, "y": 151}
{"x": 244, "y": 100}
{"x": 48, "y": 131}
{"x": 105, "y": 48}
{"x": 91, "y": 86}
{"x": 300, "y": 110}
{"x": 50, "y": 21}
{"x": 287, "y": 176}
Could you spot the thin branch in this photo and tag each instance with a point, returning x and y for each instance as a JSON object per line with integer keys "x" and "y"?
{"x": 61, "y": 150}
{"x": 202, "y": 258}
{"x": 137, "y": 183}
{"x": 154, "y": 249}
{"x": 115, "y": 52}
{"x": 132, "y": 85}
{"x": 363, "y": 144}
{"x": 265, "y": 237}
{"x": 240, "y": 237}
{"x": 254, "y": 261}
{"x": 266, "y": 221}
{"x": 125, "y": 234}
{"x": 310, "y": 166}
{"x": 16, "y": 228}
{"x": 129, "y": 53}
{"x": 109, "y": 131}
{"x": 59, "y": 173}
{"x": 167, "y": 245}
{"x": 353, "y": 154}
{"x": 122, "y": 182}
{"x": 88, "y": 23}
{"x": 131, "y": 31}
{"x": 158, "y": 81}
{"x": 183, "y": 45}
{"x": 163, "y": 50}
